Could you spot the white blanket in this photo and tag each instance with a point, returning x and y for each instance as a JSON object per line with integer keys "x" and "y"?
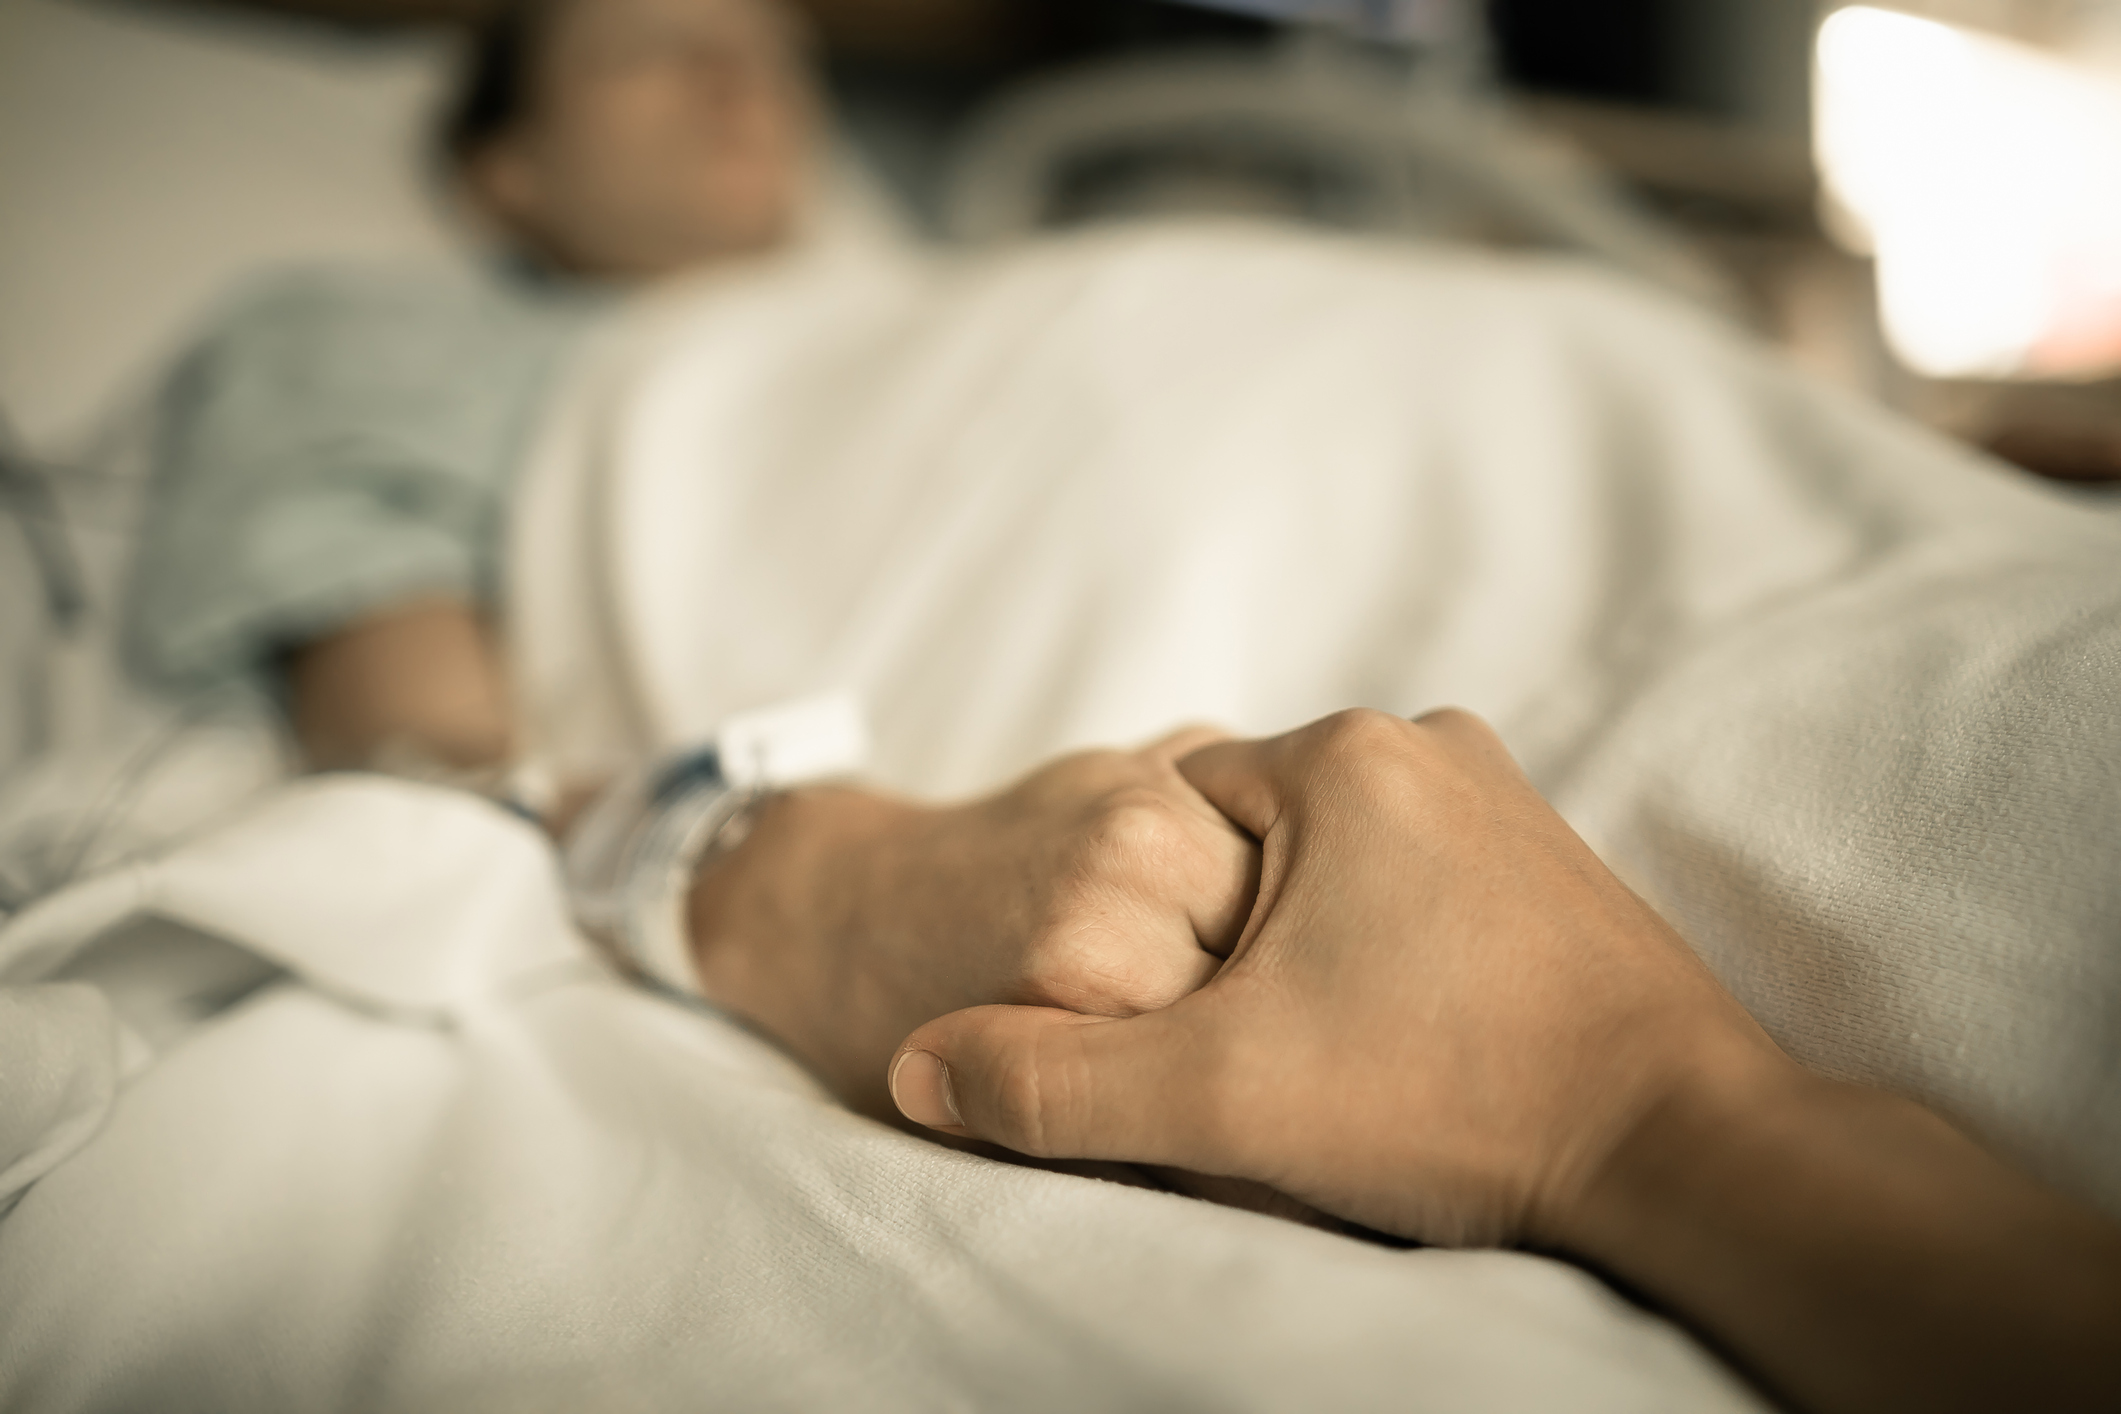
{"x": 1839, "y": 698}
{"x": 457, "y": 1167}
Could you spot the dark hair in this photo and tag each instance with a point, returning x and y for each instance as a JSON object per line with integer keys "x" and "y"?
{"x": 495, "y": 86}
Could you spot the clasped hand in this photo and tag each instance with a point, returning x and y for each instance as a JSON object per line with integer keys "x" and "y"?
{"x": 1387, "y": 890}
{"x": 1441, "y": 1018}
{"x": 1103, "y": 884}
{"x": 1366, "y": 966}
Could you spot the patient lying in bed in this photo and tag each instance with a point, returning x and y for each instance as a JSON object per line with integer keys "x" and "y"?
{"x": 332, "y": 494}
{"x": 340, "y": 455}
{"x": 333, "y": 483}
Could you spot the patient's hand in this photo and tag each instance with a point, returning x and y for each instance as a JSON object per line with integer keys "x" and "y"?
{"x": 423, "y": 677}
{"x": 1103, "y": 883}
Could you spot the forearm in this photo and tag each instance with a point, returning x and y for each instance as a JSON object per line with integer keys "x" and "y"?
{"x": 1858, "y": 1253}
{"x": 423, "y": 678}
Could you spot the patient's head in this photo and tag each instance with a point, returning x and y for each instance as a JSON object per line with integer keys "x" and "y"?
{"x": 635, "y": 137}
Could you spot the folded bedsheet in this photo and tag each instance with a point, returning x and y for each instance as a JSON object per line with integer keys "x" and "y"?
{"x": 1840, "y": 698}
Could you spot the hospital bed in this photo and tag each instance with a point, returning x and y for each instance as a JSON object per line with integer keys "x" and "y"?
{"x": 1840, "y": 698}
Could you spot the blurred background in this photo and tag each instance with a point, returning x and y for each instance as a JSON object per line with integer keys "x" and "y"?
{"x": 1921, "y": 202}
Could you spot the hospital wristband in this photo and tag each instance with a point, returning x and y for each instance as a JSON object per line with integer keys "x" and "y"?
{"x": 630, "y": 861}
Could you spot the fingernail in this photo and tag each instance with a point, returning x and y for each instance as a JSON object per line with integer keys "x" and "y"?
{"x": 920, "y": 1087}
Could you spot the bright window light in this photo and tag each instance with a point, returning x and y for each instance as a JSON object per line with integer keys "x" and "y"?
{"x": 1986, "y": 177}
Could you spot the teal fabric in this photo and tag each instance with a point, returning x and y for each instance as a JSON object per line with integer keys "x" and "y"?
{"x": 338, "y": 441}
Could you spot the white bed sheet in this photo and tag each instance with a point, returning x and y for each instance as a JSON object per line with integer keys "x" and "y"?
{"x": 450, "y": 1164}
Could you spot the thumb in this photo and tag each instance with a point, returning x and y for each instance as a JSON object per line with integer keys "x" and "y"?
{"x": 1056, "y": 1084}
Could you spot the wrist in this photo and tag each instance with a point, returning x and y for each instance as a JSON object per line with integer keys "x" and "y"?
{"x": 801, "y": 870}
{"x": 776, "y": 924}
{"x": 1734, "y": 1100}
{"x": 1854, "y": 1250}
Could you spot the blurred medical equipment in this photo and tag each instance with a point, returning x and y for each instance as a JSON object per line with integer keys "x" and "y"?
{"x": 93, "y": 770}
{"x": 149, "y": 158}
{"x": 1378, "y": 117}
{"x": 26, "y": 491}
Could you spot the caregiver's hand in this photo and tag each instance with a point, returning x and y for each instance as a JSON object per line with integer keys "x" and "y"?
{"x": 1103, "y": 883}
{"x": 1442, "y": 1017}
{"x": 1446, "y": 1019}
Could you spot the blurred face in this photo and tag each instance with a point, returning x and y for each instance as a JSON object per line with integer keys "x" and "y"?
{"x": 661, "y": 133}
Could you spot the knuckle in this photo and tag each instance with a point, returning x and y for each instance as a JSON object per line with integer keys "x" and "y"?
{"x": 1051, "y": 970}
{"x": 1449, "y": 717}
{"x": 1371, "y": 759}
{"x": 1102, "y": 977}
{"x": 1458, "y": 725}
{"x": 1360, "y": 731}
{"x": 1360, "y": 738}
{"x": 1133, "y": 826}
